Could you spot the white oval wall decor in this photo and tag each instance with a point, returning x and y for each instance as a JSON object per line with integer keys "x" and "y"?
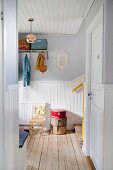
{"x": 62, "y": 60}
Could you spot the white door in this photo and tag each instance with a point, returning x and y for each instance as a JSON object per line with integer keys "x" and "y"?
{"x": 97, "y": 98}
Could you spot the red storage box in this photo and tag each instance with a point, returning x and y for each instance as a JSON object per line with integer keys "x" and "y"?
{"x": 23, "y": 45}
{"x": 58, "y": 113}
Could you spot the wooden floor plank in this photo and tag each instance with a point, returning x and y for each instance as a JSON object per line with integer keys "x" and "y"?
{"x": 72, "y": 154}
{"x": 61, "y": 154}
{"x": 38, "y": 154}
{"x": 30, "y": 161}
{"x": 67, "y": 153}
{"x": 31, "y": 142}
{"x": 77, "y": 139}
{"x": 30, "y": 153}
{"x": 49, "y": 153}
{"x": 28, "y": 140}
{"x": 55, "y": 152}
{"x": 77, "y": 152}
{"x": 84, "y": 158}
{"x": 42, "y": 165}
{"x": 36, "y": 141}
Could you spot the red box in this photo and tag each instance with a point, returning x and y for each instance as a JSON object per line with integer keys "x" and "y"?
{"x": 23, "y": 45}
{"x": 58, "y": 113}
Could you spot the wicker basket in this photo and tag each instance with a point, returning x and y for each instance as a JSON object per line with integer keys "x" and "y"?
{"x": 59, "y": 130}
{"x": 58, "y": 122}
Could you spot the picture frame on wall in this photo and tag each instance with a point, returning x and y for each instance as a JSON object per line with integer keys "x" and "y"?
{"x": 62, "y": 59}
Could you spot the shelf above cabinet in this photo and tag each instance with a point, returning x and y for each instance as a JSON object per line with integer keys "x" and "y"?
{"x": 31, "y": 51}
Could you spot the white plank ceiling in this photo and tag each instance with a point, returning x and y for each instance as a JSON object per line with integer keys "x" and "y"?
{"x": 52, "y": 17}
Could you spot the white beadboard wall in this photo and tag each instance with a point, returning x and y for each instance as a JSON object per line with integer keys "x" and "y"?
{"x": 56, "y": 94}
{"x": 58, "y": 17}
{"x": 11, "y": 127}
{"x": 108, "y": 127}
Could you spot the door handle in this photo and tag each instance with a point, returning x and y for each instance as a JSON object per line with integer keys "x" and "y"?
{"x": 90, "y": 94}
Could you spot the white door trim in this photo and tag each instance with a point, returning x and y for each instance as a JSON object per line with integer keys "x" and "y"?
{"x": 1, "y": 88}
{"x": 94, "y": 24}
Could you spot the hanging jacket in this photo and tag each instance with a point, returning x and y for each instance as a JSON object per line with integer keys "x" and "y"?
{"x": 40, "y": 63}
{"x": 26, "y": 71}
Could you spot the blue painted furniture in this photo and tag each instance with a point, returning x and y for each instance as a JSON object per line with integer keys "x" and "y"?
{"x": 40, "y": 44}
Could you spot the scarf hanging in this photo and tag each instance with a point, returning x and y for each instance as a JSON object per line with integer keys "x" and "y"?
{"x": 26, "y": 71}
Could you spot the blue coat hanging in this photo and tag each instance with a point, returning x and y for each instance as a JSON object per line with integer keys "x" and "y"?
{"x": 26, "y": 71}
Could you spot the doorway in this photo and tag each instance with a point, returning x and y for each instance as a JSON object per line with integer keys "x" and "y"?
{"x": 94, "y": 103}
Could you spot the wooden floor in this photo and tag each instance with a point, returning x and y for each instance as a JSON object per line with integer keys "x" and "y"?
{"x": 55, "y": 152}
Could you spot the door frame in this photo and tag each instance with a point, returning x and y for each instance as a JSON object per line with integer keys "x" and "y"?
{"x": 1, "y": 86}
{"x": 98, "y": 18}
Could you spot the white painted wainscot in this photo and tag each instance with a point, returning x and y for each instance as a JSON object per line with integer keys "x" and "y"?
{"x": 14, "y": 157}
{"x": 108, "y": 127}
{"x": 55, "y": 94}
{"x": 11, "y": 128}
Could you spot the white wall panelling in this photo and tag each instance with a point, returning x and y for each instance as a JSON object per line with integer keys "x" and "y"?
{"x": 61, "y": 17}
{"x": 10, "y": 95}
{"x": 1, "y": 92}
{"x": 11, "y": 128}
{"x": 10, "y": 42}
{"x": 108, "y": 127}
{"x": 108, "y": 39}
{"x": 57, "y": 94}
